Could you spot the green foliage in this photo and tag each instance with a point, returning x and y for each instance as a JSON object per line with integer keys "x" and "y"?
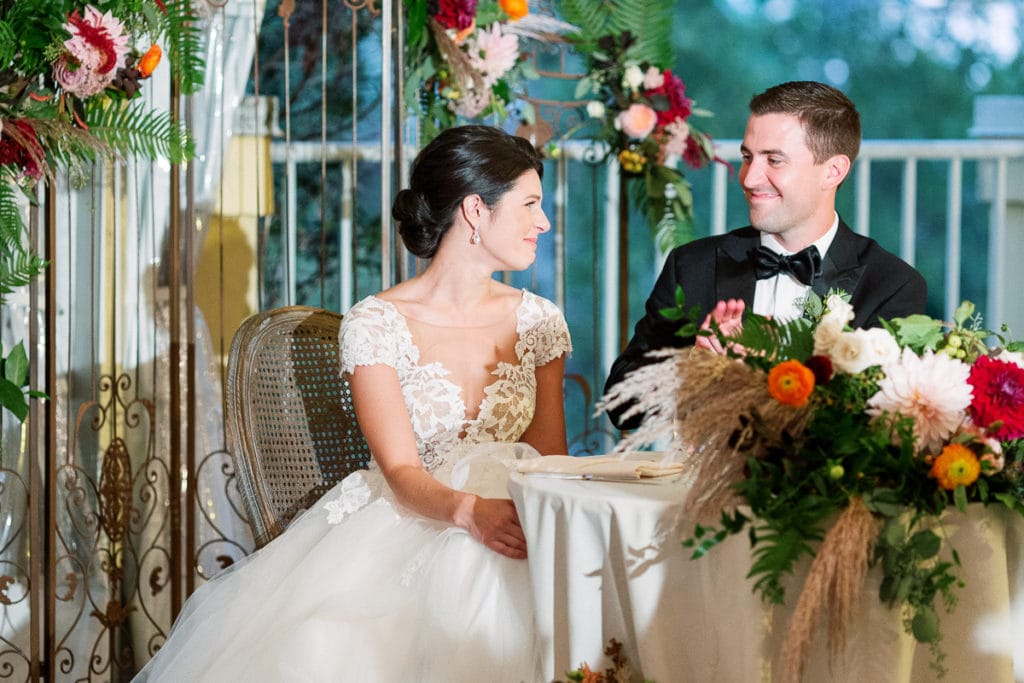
{"x": 134, "y": 129}
{"x": 184, "y": 38}
{"x": 796, "y": 484}
{"x": 36, "y": 24}
{"x": 18, "y": 265}
{"x": 650, "y": 21}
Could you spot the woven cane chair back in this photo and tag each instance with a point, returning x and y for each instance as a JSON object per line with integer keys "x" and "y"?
{"x": 291, "y": 426}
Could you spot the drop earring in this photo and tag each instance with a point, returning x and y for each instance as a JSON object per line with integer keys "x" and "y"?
{"x": 475, "y": 239}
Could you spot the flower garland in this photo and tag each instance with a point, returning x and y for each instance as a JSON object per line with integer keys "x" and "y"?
{"x": 846, "y": 445}
{"x": 69, "y": 78}
{"x": 643, "y": 115}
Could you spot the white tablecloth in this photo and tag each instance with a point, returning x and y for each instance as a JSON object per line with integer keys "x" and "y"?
{"x": 606, "y": 562}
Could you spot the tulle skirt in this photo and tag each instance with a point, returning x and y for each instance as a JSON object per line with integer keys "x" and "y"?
{"x": 360, "y": 589}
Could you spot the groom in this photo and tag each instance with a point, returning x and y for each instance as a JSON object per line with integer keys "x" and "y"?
{"x": 800, "y": 143}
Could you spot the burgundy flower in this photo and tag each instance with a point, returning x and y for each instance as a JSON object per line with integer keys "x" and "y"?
{"x": 694, "y": 154}
{"x": 998, "y": 396}
{"x": 821, "y": 366}
{"x": 673, "y": 90}
{"x": 13, "y": 151}
{"x": 456, "y": 14}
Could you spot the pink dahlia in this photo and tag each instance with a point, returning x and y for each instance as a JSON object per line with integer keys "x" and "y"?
{"x": 998, "y": 396}
{"x": 92, "y": 55}
{"x": 932, "y": 389}
{"x": 493, "y": 53}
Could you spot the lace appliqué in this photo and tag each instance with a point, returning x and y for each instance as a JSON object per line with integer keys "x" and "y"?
{"x": 355, "y": 494}
{"x": 375, "y": 332}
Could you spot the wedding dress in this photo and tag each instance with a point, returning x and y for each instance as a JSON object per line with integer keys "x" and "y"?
{"x": 359, "y": 588}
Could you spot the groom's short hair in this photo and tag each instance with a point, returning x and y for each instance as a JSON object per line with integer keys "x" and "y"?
{"x": 830, "y": 119}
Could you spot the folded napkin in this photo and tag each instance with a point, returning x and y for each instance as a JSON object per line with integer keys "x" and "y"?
{"x": 597, "y": 467}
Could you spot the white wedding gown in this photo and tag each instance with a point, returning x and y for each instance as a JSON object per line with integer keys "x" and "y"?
{"x": 359, "y": 588}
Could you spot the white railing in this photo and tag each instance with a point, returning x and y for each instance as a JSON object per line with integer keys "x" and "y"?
{"x": 994, "y": 155}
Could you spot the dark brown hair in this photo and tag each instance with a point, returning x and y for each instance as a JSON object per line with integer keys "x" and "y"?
{"x": 830, "y": 120}
{"x": 459, "y": 162}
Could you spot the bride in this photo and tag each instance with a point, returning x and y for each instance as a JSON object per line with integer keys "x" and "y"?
{"x": 412, "y": 570}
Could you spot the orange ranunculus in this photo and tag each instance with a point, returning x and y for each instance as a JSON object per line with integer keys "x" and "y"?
{"x": 791, "y": 382}
{"x": 149, "y": 60}
{"x": 515, "y": 9}
{"x": 957, "y": 464}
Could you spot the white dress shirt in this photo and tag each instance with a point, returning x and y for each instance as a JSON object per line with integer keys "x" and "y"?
{"x": 780, "y": 295}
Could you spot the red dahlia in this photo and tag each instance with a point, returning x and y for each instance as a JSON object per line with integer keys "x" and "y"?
{"x": 998, "y": 396}
{"x": 679, "y": 105}
{"x": 456, "y": 14}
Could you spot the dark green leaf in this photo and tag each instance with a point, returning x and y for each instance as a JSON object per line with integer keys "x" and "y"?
{"x": 16, "y": 365}
{"x": 925, "y": 625}
{"x": 926, "y": 544}
{"x": 12, "y": 398}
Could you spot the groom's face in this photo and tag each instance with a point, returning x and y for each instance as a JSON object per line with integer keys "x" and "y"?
{"x": 786, "y": 191}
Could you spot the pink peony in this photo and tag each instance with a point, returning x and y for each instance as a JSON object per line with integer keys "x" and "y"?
{"x": 92, "y": 55}
{"x": 932, "y": 389}
{"x": 637, "y": 122}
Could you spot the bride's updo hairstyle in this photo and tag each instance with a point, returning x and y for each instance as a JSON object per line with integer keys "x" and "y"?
{"x": 459, "y": 162}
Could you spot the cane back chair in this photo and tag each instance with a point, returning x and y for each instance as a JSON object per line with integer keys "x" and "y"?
{"x": 291, "y": 427}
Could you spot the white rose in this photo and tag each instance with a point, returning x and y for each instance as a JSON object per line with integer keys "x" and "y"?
{"x": 595, "y": 109}
{"x": 839, "y": 308}
{"x": 826, "y": 335}
{"x": 882, "y": 346}
{"x": 632, "y": 77}
{"x": 851, "y": 352}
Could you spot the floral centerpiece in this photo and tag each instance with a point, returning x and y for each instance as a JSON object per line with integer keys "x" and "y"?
{"x": 70, "y": 80}
{"x": 845, "y": 445}
{"x": 466, "y": 61}
{"x": 643, "y": 116}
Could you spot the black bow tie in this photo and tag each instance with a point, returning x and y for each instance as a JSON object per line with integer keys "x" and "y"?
{"x": 805, "y": 265}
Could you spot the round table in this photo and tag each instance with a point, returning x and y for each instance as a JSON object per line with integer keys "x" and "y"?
{"x": 606, "y": 561}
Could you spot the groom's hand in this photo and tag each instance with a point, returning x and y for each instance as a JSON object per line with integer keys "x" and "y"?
{"x": 729, "y": 317}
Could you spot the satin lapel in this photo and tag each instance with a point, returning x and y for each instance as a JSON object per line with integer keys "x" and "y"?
{"x": 840, "y": 269}
{"x": 734, "y": 275}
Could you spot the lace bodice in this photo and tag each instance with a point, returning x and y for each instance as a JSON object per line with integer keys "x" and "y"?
{"x": 375, "y": 332}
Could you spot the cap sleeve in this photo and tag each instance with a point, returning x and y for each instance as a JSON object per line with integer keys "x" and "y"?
{"x": 367, "y": 335}
{"x": 548, "y": 331}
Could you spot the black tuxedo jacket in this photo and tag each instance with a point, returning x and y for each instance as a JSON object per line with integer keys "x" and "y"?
{"x": 716, "y": 268}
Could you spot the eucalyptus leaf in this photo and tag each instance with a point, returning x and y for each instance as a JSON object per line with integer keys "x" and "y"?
{"x": 925, "y": 625}
{"x": 926, "y": 544}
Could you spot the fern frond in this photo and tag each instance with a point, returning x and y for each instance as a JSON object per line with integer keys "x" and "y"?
{"x": 649, "y": 21}
{"x": 184, "y": 39}
{"x": 131, "y": 129}
{"x": 18, "y": 265}
{"x": 8, "y": 44}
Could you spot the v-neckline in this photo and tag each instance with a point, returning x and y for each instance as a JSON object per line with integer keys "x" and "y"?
{"x": 441, "y": 373}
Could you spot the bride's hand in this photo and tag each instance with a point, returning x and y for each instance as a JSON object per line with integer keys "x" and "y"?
{"x": 495, "y": 523}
